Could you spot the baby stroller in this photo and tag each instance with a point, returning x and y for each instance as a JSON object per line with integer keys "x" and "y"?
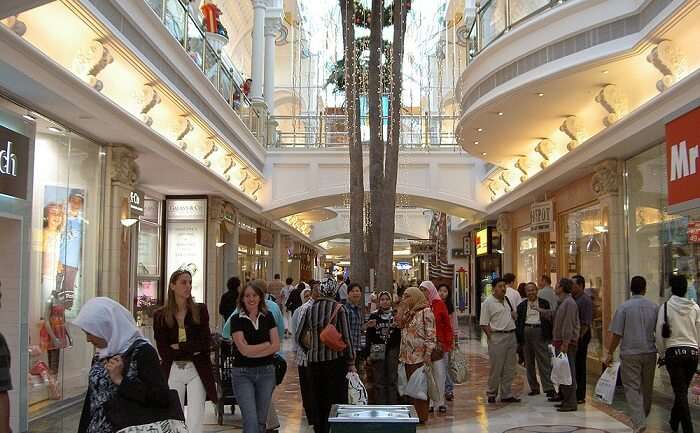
{"x": 223, "y": 363}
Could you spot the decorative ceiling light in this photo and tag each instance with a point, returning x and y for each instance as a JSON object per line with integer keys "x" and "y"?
{"x": 526, "y": 168}
{"x": 668, "y": 59}
{"x": 90, "y": 61}
{"x": 510, "y": 178}
{"x": 573, "y": 128}
{"x": 483, "y": 153}
{"x": 476, "y": 143}
{"x": 211, "y": 148}
{"x": 244, "y": 178}
{"x": 230, "y": 163}
{"x": 546, "y": 149}
{"x": 147, "y": 99}
{"x": 183, "y": 126}
{"x": 480, "y": 129}
{"x": 614, "y": 101}
{"x": 18, "y": 27}
{"x": 540, "y": 94}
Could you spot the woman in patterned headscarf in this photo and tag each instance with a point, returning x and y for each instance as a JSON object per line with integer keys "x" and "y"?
{"x": 326, "y": 368}
{"x": 417, "y": 338}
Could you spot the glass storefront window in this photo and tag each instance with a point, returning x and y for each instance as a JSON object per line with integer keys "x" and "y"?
{"x": 583, "y": 253}
{"x": 148, "y": 272}
{"x": 660, "y": 244}
{"x": 527, "y": 257}
{"x": 66, "y": 231}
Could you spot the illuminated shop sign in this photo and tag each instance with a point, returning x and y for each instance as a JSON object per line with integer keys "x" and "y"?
{"x": 481, "y": 241}
{"x": 682, "y": 153}
{"x": 14, "y": 163}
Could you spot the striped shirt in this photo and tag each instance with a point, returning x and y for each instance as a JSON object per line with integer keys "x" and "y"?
{"x": 5, "y": 379}
{"x": 315, "y": 318}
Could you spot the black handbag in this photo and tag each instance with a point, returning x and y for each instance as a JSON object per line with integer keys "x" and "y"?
{"x": 280, "y": 368}
{"x": 122, "y": 412}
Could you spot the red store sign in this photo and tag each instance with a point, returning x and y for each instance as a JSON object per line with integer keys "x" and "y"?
{"x": 694, "y": 232}
{"x": 683, "y": 162}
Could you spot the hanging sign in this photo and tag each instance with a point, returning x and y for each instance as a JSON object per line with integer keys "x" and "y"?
{"x": 264, "y": 237}
{"x": 682, "y": 153}
{"x": 481, "y": 242}
{"x": 137, "y": 201}
{"x": 14, "y": 163}
{"x": 542, "y": 217}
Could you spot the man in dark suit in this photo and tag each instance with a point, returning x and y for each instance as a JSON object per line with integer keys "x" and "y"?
{"x": 534, "y": 334}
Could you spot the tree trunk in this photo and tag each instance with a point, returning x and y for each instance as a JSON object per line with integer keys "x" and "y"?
{"x": 388, "y": 210}
{"x": 376, "y": 136}
{"x": 358, "y": 255}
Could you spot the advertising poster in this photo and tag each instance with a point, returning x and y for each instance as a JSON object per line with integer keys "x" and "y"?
{"x": 63, "y": 235}
{"x": 186, "y": 241}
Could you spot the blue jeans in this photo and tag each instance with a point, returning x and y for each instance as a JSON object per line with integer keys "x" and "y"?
{"x": 253, "y": 388}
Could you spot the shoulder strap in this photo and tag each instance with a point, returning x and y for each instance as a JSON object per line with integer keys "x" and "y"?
{"x": 509, "y": 304}
{"x": 665, "y": 313}
{"x": 335, "y": 312}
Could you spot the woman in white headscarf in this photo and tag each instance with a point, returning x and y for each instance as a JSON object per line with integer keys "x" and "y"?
{"x": 112, "y": 330}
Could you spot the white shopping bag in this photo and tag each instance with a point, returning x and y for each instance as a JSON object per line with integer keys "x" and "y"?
{"x": 433, "y": 390}
{"x": 605, "y": 388}
{"x": 357, "y": 393}
{"x": 403, "y": 380}
{"x": 169, "y": 426}
{"x": 561, "y": 373}
{"x": 417, "y": 386}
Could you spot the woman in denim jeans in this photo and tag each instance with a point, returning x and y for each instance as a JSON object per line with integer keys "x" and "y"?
{"x": 255, "y": 341}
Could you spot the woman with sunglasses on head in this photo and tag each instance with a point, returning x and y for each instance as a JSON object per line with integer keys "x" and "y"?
{"x": 384, "y": 340}
{"x": 255, "y": 342}
{"x": 182, "y": 334}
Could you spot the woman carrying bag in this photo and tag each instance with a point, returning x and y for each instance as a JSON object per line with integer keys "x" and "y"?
{"x": 417, "y": 339}
{"x": 384, "y": 341}
{"x": 181, "y": 331}
{"x": 125, "y": 386}
{"x": 677, "y": 341}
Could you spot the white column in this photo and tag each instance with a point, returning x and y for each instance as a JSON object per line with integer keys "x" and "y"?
{"x": 272, "y": 23}
{"x": 257, "y": 63}
{"x": 277, "y": 253}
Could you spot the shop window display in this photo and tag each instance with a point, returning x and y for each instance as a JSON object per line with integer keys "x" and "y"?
{"x": 66, "y": 209}
{"x": 583, "y": 253}
{"x": 527, "y": 257}
{"x": 148, "y": 267}
{"x": 660, "y": 243}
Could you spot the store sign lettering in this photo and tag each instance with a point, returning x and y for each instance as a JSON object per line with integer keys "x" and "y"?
{"x": 14, "y": 163}
{"x": 136, "y": 202}
{"x": 186, "y": 209}
{"x": 682, "y": 153}
{"x": 541, "y": 217}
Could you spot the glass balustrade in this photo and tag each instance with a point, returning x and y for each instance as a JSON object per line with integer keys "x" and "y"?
{"x": 184, "y": 24}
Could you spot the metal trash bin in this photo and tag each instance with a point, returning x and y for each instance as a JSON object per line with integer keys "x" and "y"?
{"x": 345, "y": 418}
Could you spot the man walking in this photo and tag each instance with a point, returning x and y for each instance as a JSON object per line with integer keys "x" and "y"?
{"x": 565, "y": 337}
{"x": 534, "y": 334}
{"x": 497, "y": 323}
{"x": 634, "y": 324}
{"x": 342, "y": 289}
{"x": 512, "y": 294}
{"x": 585, "y": 317}
{"x": 5, "y": 382}
{"x": 546, "y": 291}
{"x": 274, "y": 289}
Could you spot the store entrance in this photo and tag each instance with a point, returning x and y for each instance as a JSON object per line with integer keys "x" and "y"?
{"x": 488, "y": 268}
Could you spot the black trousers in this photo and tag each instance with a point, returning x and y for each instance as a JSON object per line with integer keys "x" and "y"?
{"x": 681, "y": 363}
{"x": 384, "y": 378}
{"x": 581, "y": 371}
{"x": 306, "y": 397}
{"x": 327, "y": 386}
{"x": 568, "y": 392}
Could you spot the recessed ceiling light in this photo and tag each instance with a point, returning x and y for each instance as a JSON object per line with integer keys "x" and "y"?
{"x": 605, "y": 71}
{"x": 29, "y": 117}
{"x": 500, "y": 113}
{"x": 476, "y": 142}
{"x": 540, "y": 94}
{"x": 483, "y": 153}
{"x": 54, "y": 129}
{"x": 480, "y": 129}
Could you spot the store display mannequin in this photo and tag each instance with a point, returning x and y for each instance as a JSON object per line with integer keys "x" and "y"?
{"x": 54, "y": 335}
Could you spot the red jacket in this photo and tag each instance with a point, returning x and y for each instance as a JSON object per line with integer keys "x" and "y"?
{"x": 443, "y": 326}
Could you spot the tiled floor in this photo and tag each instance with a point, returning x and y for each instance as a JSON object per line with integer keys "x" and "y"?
{"x": 468, "y": 413}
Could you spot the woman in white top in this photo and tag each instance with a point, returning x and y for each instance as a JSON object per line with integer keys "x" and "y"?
{"x": 677, "y": 340}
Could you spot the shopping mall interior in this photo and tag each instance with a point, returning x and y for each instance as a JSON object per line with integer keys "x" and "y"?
{"x": 534, "y": 137}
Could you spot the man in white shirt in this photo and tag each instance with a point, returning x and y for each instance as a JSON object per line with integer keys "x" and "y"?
{"x": 284, "y": 295}
{"x": 512, "y": 294}
{"x": 497, "y": 323}
{"x": 342, "y": 289}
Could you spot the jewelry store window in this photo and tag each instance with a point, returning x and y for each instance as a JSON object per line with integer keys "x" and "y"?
{"x": 527, "y": 256}
{"x": 584, "y": 253}
{"x": 148, "y": 268}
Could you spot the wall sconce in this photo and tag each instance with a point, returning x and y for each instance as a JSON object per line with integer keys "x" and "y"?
{"x": 183, "y": 126}
{"x": 211, "y": 143}
{"x": 90, "y": 61}
{"x": 573, "y": 128}
{"x": 614, "y": 101}
{"x": 244, "y": 179}
{"x": 508, "y": 178}
{"x": 668, "y": 59}
{"x": 220, "y": 244}
{"x": 147, "y": 99}
{"x": 258, "y": 187}
{"x": 545, "y": 148}
{"x": 128, "y": 222}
